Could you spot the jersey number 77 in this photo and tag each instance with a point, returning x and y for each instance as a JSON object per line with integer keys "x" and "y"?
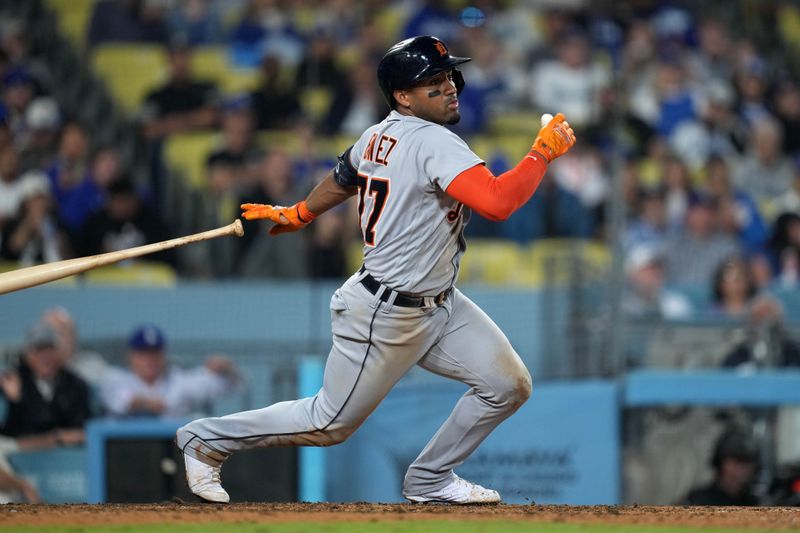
{"x": 379, "y": 190}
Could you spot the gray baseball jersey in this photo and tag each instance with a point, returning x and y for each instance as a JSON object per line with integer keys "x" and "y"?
{"x": 385, "y": 318}
{"x": 412, "y": 229}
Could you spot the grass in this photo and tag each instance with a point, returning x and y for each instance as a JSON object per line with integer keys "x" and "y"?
{"x": 414, "y": 526}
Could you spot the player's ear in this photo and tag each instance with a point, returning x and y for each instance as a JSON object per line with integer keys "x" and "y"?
{"x": 401, "y": 97}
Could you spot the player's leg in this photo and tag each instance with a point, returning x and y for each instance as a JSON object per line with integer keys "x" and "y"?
{"x": 475, "y": 351}
{"x": 372, "y": 348}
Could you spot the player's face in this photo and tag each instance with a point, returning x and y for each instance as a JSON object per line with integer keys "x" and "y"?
{"x": 434, "y": 99}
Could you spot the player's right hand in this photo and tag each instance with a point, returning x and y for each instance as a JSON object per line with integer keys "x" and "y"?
{"x": 554, "y": 139}
{"x": 286, "y": 219}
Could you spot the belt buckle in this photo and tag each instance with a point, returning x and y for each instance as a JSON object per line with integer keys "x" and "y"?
{"x": 440, "y": 298}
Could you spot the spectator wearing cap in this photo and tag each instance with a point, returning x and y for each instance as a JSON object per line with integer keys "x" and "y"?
{"x": 39, "y": 143}
{"x": 35, "y": 235}
{"x": 152, "y": 387}
{"x": 42, "y": 395}
{"x": 697, "y": 250}
{"x": 735, "y": 460}
{"x": 14, "y": 185}
{"x": 645, "y": 295}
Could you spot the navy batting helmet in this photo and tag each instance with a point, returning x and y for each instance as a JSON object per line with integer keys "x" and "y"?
{"x": 414, "y": 60}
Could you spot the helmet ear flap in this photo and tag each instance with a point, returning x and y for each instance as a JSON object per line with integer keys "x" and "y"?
{"x": 458, "y": 80}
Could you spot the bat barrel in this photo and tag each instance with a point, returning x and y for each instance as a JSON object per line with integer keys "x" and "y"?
{"x": 37, "y": 275}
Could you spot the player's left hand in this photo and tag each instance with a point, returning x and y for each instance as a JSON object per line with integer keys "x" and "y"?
{"x": 555, "y": 138}
{"x": 286, "y": 219}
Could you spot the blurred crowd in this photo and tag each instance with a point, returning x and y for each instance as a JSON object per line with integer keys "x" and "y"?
{"x": 704, "y": 104}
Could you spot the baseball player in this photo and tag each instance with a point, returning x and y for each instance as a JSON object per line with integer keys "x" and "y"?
{"x": 416, "y": 183}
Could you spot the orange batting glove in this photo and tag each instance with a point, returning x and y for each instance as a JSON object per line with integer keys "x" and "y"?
{"x": 554, "y": 139}
{"x": 286, "y": 219}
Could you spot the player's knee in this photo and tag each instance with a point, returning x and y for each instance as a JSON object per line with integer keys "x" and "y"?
{"x": 514, "y": 391}
{"x": 520, "y": 389}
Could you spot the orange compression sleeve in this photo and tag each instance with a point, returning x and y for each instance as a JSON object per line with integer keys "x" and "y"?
{"x": 497, "y": 197}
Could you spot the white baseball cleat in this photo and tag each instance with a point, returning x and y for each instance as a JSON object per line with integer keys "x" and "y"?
{"x": 204, "y": 481}
{"x": 459, "y": 491}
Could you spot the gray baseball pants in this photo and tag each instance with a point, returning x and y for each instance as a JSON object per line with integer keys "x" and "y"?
{"x": 374, "y": 344}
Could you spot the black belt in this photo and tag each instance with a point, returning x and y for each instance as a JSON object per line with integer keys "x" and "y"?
{"x": 403, "y": 300}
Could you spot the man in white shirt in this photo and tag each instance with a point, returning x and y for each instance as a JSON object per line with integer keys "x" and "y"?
{"x": 153, "y": 388}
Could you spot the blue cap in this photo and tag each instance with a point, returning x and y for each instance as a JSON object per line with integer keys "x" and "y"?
{"x": 147, "y": 337}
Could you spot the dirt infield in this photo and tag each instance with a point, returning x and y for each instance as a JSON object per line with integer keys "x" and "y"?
{"x": 760, "y": 519}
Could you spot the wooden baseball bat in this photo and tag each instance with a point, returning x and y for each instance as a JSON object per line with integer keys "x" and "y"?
{"x": 39, "y": 274}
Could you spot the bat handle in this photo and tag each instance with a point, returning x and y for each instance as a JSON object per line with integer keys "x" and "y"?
{"x": 237, "y": 227}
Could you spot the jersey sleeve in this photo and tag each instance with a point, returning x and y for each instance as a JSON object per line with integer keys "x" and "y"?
{"x": 354, "y": 157}
{"x": 445, "y": 155}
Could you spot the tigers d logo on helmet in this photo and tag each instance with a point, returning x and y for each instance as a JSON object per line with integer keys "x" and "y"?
{"x": 413, "y": 60}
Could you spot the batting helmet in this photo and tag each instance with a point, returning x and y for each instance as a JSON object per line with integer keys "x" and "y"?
{"x": 414, "y": 60}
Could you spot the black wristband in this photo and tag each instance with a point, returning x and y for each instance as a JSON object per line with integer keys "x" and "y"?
{"x": 344, "y": 174}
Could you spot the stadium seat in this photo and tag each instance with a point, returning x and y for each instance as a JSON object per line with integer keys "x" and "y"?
{"x": 558, "y": 261}
{"x": 211, "y": 63}
{"x": 493, "y": 262}
{"x": 512, "y": 148}
{"x": 141, "y": 273}
{"x": 8, "y": 266}
{"x": 130, "y": 71}
{"x": 73, "y": 19}
{"x": 516, "y": 122}
{"x": 186, "y": 153}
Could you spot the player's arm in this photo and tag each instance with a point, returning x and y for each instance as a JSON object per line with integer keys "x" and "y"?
{"x": 328, "y": 194}
{"x": 336, "y": 187}
{"x": 497, "y": 197}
